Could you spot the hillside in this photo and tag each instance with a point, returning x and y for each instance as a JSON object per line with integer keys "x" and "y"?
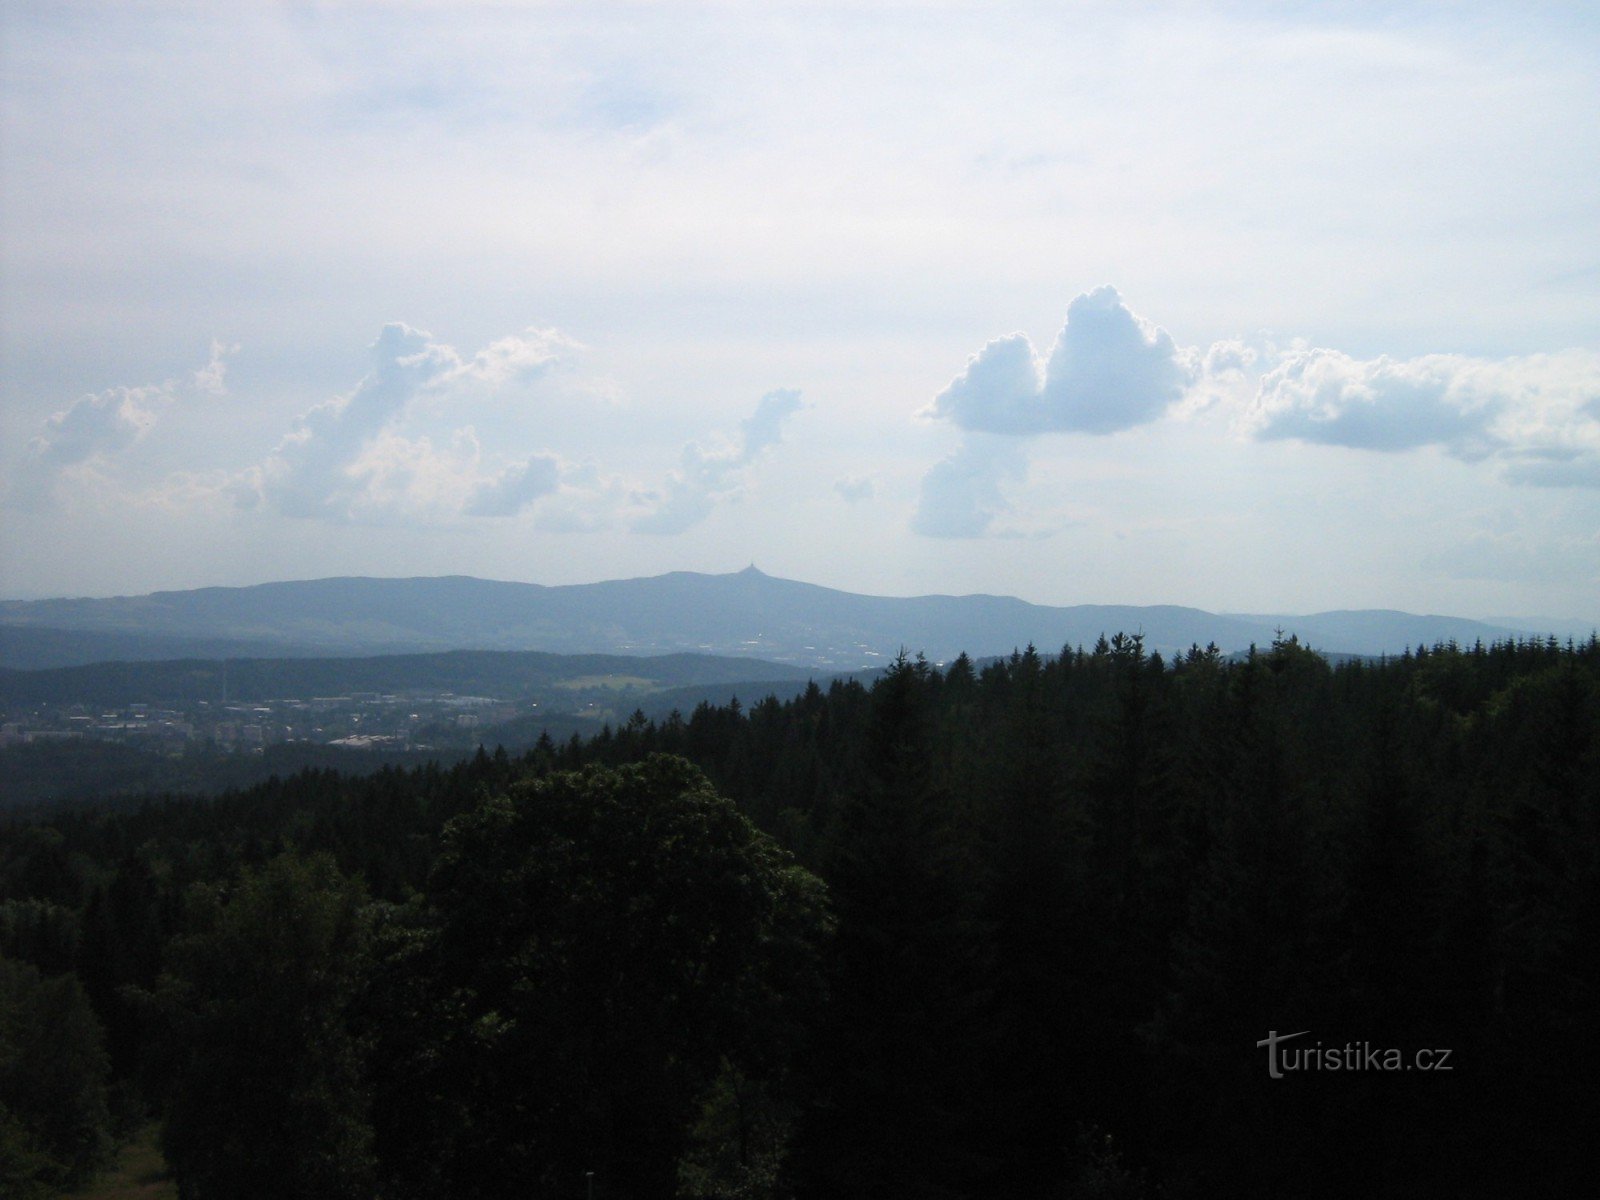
{"x": 747, "y": 614}
{"x": 502, "y": 675}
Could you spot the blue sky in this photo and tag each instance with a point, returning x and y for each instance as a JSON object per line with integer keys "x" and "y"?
{"x": 1251, "y": 307}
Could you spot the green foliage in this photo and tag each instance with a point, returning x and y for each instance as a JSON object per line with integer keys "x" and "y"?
{"x": 602, "y": 944}
{"x": 893, "y": 1076}
{"x": 267, "y": 1098}
{"x": 740, "y": 1144}
{"x": 54, "y": 1123}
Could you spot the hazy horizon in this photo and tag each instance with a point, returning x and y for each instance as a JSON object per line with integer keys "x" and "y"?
{"x": 1051, "y": 302}
{"x": 1559, "y": 624}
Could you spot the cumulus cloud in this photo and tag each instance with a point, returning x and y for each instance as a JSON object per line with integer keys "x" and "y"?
{"x": 211, "y": 379}
{"x": 961, "y": 496}
{"x": 764, "y": 427}
{"x": 1230, "y": 372}
{"x": 1536, "y": 416}
{"x": 1328, "y": 397}
{"x": 706, "y": 478}
{"x": 98, "y": 425}
{"x": 83, "y": 440}
{"x": 398, "y": 478}
{"x": 515, "y": 487}
{"x": 352, "y": 458}
{"x": 310, "y": 474}
{"x": 584, "y": 501}
{"x": 1109, "y": 370}
{"x": 517, "y": 359}
{"x": 344, "y": 459}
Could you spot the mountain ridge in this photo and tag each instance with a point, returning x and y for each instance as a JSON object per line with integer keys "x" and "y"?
{"x": 746, "y": 613}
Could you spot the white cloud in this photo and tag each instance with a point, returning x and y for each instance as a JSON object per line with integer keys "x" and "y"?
{"x": 1328, "y": 397}
{"x": 517, "y": 359}
{"x": 397, "y": 478}
{"x": 310, "y": 473}
{"x": 515, "y": 487}
{"x": 87, "y": 437}
{"x": 1536, "y": 416}
{"x": 211, "y": 379}
{"x": 585, "y": 501}
{"x": 98, "y": 425}
{"x": 764, "y": 427}
{"x": 389, "y": 452}
{"x": 1230, "y": 372}
{"x": 352, "y": 458}
{"x": 961, "y": 495}
{"x": 346, "y": 460}
{"x": 706, "y": 478}
{"x": 1108, "y": 370}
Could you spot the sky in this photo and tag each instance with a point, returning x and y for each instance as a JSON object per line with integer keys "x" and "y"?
{"x": 1253, "y": 307}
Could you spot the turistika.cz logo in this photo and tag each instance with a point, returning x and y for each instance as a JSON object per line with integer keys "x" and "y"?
{"x": 1352, "y": 1056}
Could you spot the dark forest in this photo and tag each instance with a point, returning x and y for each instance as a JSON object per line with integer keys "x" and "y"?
{"x": 1017, "y": 930}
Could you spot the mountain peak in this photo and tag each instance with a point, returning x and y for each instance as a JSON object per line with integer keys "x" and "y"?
{"x": 752, "y": 572}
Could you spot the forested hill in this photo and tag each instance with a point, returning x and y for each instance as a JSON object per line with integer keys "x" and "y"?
{"x": 744, "y": 614}
{"x": 501, "y": 674}
{"x": 1021, "y": 930}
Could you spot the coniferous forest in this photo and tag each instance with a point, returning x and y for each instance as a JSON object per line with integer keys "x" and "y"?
{"x": 1017, "y": 930}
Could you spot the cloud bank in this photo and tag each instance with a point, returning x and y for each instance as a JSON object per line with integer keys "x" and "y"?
{"x": 1536, "y": 418}
{"x": 376, "y": 455}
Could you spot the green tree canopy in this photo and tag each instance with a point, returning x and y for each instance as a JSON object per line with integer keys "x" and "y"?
{"x": 54, "y": 1125}
{"x": 605, "y": 942}
{"x": 268, "y": 1099}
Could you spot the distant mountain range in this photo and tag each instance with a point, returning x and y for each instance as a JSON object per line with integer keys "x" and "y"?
{"x": 747, "y": 614}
